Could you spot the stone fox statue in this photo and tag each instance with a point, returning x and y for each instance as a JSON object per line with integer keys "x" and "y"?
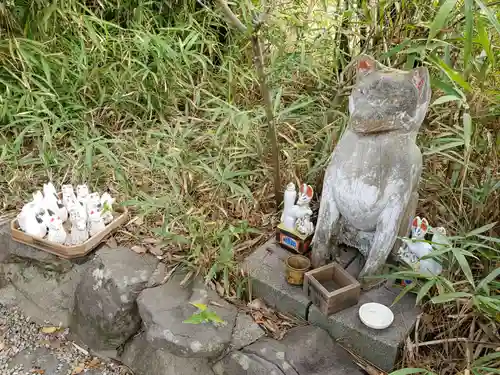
{"x": 370, "y": 188}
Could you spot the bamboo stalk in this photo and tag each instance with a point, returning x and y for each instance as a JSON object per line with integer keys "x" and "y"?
{"x": 258, "y": 61}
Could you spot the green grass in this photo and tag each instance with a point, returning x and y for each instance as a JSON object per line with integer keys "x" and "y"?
{"x": 126, "y": 95}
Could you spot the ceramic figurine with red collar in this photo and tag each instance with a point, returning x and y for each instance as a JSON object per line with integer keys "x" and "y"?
{"x": 56, "y": 234}
{"x": 296, "y": 228}
{"x": 96, "y": 222}
{"x": 418, "y": 248}
{"x": 302, "y": 212}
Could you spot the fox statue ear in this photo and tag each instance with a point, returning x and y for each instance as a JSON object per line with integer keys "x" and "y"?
{"x": 424, "y": 225}
{"x": 416, "y": 222}
{"x": 364, "y": 66}
{"x": 421, "y": 79}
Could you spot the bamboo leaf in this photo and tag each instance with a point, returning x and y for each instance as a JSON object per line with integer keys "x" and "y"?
{"x": 491, "y": 16}
{"x": 441, "y": 17}
{"x": 452, "y": 74}
{"x": 469, "y": 29}
{"x": 446, "y": 99}
{"x": 425, "y": 289}
{"x": 480, "y": 230}
{"x": 488, "y": 279}
{"x": 408, "y": 371}
{"x": 447, "y": 297}
{"x": 200, "y": 306}
{"x": 464, "y": 265}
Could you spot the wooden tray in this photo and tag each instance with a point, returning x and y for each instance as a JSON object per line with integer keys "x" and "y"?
{"x": 69, "y": 252}
{"x": 346, "y": 288}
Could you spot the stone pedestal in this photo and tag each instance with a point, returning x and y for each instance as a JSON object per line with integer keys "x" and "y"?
{"x": 381, "y": 347}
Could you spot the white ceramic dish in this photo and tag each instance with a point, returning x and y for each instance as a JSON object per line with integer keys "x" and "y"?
{"x": 376, "y": 315}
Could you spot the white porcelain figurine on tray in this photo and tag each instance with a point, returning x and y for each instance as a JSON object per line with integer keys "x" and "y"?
{"x": 96, "y": 223}
{"x": 79, "y": 231}
{"x": 56, "y": 234}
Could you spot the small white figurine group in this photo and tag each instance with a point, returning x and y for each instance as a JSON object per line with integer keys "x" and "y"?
{"x": 296, "y": 216}
{"x": 414, "y": 249}
{"x": 44, "y": 216}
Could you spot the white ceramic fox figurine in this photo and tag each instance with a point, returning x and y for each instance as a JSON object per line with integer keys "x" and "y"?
{"x": 53, "y": 203}
{"x": 419, "y": 229}
{"x": 96, "y": 223}
{"x": 79, "y": 232}
{"x": 56, "y": 234}
{"x": 82, "y": 192}
{"x": 68, "y": 195}
{"x": 49, "y": 189}
{"x": 30, "y": 222}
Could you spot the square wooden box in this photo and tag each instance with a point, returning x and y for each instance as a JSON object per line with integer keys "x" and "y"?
{"x": 331, "y": 288}
{"x": 292, "y": 240}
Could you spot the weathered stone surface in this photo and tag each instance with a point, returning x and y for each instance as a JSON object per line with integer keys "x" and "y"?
{"x": 144, "y": 359}
{"x": 11, "y": 251}
{"x": 106, "y": 313}
{"x": 43, "y": 294}
{"x": 240, "y": 363}
{"x": 373, "y": 175}
{"x": 245, "y": 332}
{"x": 378, "y": 346}
{"x": 267, "y": 270}
{"x": 165, "y": 308}
{"x": 305, "y": 350}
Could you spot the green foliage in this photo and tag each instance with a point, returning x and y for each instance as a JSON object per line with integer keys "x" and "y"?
{"x": 148, "y": 98}
{"x": 204, "y": 315}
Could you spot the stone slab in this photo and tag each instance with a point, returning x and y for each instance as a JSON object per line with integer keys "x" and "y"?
{"x": 266, "y": 268}
{"x": 164, "y": 310}
{"x": 45, "y": 295}
{"x": 10, "y": 250}
{"x": 245, "y": 332}
{"x": 381, "y": 347}
{"x": 145, "y": 359}
{"x": 304, "y": 350}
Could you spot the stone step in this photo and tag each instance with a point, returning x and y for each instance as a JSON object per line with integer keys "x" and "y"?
{"x": 304, "y": 350}
{"x": 380, "y": 347}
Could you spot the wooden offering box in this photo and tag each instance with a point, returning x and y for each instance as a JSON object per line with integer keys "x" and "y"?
{"x": 70, "y": 252}
{"x": 293, "y": 240}
{"x": 331, "y": 288}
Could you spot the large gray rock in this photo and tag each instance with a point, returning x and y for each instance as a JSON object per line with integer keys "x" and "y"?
{"x": 266, "y": 268}
{"x": 106, "y": 313}
{"x": 165, "y": 308}
{"x": 143, "y": 359}
{"x": 43, "y": 294}
{"x": 305, "y": 350}
{"x": 12, "y": 251}
{"x": 381, "y": 347}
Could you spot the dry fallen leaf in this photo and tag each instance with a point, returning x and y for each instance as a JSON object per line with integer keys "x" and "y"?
{"x": 78, "y": 369}
{"x": 37, "y": 371}
{"x": 50, "y": 330}
{"x": 151, "y": 240}
{"x": 94, "y": 363}
{"x": 138, "y": 249}
{"x": 156, "y": 250}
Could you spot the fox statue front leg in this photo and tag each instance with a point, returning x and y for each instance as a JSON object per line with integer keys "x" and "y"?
{"x": 328, "y": 218}
{"x": 386, "y": 234}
